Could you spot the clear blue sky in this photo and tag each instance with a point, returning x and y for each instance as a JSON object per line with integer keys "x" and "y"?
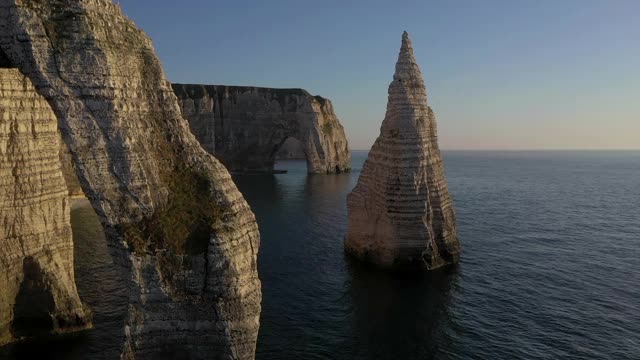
{"x": 500, "y": 74}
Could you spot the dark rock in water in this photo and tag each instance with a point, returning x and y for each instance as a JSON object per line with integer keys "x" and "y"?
{"x": 176, "y": 224}
{"x": 245, "y": 127}
{"x": 400, "y": 212}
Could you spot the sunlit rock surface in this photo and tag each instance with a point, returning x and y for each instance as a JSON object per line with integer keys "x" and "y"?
{"x": 174, "y": 220}
{"x": 400, "y": 214}
{"x": 38, "y": 293}
{"x": 246, "y": 126}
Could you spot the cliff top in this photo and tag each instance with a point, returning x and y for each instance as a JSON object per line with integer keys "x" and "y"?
{"x": 196, "y": 91}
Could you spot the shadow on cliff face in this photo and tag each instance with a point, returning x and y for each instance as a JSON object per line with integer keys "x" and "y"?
{"x": 99, "y": 283}
{"x": 400, "y": 315}
{"x": 5, "y": 63}
{"x": 34, "y": 303}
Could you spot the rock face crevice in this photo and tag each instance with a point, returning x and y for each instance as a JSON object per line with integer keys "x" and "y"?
{"x": 38, "y": 293}
{"x": 400, "y": 214}
{"x": 245, "y": 127}
{"x": 176, "y": 224}
{"x": 69, "y": 172}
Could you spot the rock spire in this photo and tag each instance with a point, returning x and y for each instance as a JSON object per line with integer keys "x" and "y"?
{"x": 400, "y": 214}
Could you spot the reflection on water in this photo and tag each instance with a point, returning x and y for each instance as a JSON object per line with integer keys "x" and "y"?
{"x": 318, "y": 304}
{"x": 100, "y": 284}
{"x": 548, "y": 269}
{"x": 399, "y": 315}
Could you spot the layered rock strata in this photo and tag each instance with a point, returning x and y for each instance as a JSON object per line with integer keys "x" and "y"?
{"x": 400, "y": 214}
{"x": 38, "y": 293}
{"x": 176, "y": 224}
{"x": 245, "y": 127}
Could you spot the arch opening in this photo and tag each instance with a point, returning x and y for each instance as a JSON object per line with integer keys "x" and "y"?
{"x": 288, "y": 155}
{"x": 291, "y": 149}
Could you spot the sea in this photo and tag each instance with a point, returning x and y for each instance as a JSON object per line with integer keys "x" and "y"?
{"x": 550, "y": 268}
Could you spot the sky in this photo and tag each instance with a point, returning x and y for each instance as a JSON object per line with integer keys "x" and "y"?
{"x": 500, "y": 74}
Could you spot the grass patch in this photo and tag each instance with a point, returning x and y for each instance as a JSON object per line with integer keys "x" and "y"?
{"x": 327, "y": 128}
{"x": 183, "y": 225}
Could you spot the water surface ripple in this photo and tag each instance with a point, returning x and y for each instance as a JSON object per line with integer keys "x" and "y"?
{"x": 550, "y": 268}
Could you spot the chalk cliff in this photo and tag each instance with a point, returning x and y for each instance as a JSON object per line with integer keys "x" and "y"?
{"x": 400, "y": 214}
{"x": 246, "y": 126}
{"x": 37, "y": 285}
{"x": 176, "y": 224}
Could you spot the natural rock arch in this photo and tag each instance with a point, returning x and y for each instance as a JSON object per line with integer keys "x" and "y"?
{"x": 245, "y": 126}
{"x": 177, "y": 225}
{"x": 37, "y": 284}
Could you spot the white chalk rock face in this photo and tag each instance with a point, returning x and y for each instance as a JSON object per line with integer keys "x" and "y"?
{"x": 179, "y": 230}
{"x": 400, "y": 212}
{"x": 38, "y": 293}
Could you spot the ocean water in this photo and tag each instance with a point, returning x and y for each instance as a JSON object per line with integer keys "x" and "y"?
{"x": 550, "y": 268}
